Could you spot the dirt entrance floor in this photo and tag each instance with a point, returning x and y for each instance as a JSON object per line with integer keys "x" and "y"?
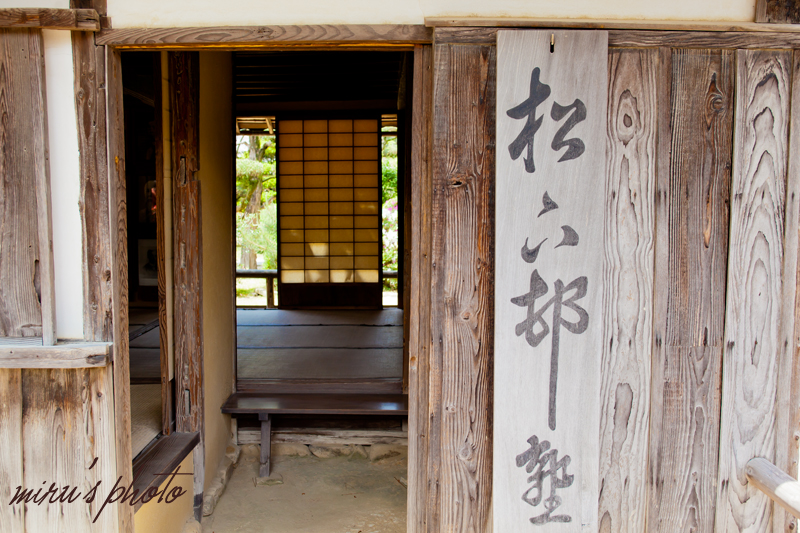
{"x": 336, "y": 495}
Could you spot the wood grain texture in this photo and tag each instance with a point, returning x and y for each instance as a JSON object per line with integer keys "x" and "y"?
{"x": 633, "y": 80}
{"x": 21, "y": 69}
{"x": 608, "y": 24}
{"x": 260, "y": 35}
{"x": 12, "y": 517}
{"x": 66, "y": 423}
{"x": 161, "y": 252}
{"x": 90, "y": 105}
{"x": 775, "y": 483}
{"x": 778, "y": 11}
{"x": 188, "y": 257}
{"x": 41, "y": 179}
{"x": 419, "y": 310}
{"x": 787, "y": 421}
{"x": 165, "y": 456}
{"x": 118, "y": 271}
{"x": 72, "y": 355}
{"x": 632, "y": 38}
{"x": 188, "y": 311}
{"x": 462, "y": 296}
{"x": 50, "y": 19}
{"x": 690, "y": 265}
{"x": 754, "y": 296}
{"x": 326, "y": 437}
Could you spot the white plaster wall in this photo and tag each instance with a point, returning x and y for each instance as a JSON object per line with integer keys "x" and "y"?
{"x": 62, "y": 4}
{"x": 64, "y": 183}
{"x": 166, "y": 13}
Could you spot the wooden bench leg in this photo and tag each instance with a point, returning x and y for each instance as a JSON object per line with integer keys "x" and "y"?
{"x": 266, "y": 443}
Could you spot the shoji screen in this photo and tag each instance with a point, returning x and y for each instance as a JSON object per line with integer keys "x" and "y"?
{"x": 329, "y": 207}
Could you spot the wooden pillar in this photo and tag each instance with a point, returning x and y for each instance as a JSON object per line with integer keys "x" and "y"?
{"x": 459, "y": 404}
{"x": 188, "y": 255}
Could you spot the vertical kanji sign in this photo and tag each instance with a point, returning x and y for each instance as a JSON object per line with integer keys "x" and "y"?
{"x": 552, "y": 92}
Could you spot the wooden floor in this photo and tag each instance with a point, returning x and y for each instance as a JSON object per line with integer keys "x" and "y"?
{"x": 278, "y": 344}
{"x": 145, "y": 362}
{"x": 286, "y": 346}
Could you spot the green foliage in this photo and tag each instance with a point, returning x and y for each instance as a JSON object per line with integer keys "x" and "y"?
{"x": 390, "y": 240}
{"x": 389, "y": 168}
{"x": 250, "y": 172}
{"x": 260, "y": 232}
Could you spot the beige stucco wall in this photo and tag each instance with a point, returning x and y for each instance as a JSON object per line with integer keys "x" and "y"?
{"x": 164, "y": 13}
{"x": 155, "y": 517}
{"x": 216, "y": 153}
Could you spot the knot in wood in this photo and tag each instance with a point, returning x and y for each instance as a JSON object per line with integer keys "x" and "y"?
{"x": 94, "y": 307}
{"x": 456, "y": 181}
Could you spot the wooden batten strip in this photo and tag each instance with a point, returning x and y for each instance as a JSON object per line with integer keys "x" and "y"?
{"x": 691, "y": 251}
{"x": 610, "y": 24}
{"x": 64, "y": 355}
{"x": 50, "y": 19}
{"x": 633, "y": 111}
{"x": 755, "y": 294}
{"x": 237, "y": 36}
{"x": 635, "y": 38}
{"x": 787, "y": 408}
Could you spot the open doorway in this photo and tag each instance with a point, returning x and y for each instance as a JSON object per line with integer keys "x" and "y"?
{"x": 320, "y": 176}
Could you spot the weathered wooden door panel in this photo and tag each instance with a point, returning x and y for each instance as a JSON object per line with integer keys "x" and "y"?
{"x": 690, "y": 259}
{"x": 635, "y": 78}
{"x": 551, "y": 201}
{"x": 755, "y": 288}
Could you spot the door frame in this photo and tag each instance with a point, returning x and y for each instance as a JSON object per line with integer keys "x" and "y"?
{"x": 411, "y": 38}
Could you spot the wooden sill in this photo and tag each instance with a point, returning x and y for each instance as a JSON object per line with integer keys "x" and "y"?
{"x": 161, "y": 458}
{"x": 28, "y": 352}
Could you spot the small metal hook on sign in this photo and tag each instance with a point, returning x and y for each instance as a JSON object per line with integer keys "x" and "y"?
{"x": 552, "y": 42}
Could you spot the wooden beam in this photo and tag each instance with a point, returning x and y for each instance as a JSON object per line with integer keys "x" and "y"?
{"x": 778, "y": 12}
{"x": 97, "y": 255}
{"x": 118, "y": 273}
{"x": 420, "y": 288}
{"x": 50, "y": 19}
{"x": 691, "y": 252}
{"x": 775, "y": 483}
{"x": 611, "y": 24}
{"x": 64, "y": 355}
{"x": 242, "y": 36}
{"x": 646, "y": 38}
{"x": 188, "y": 257}
{"x": 459, "y": 482}
{"x": 326, "y": 437}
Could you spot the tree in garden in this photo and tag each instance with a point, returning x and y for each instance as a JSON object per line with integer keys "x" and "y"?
{"x": 255, "y": 187}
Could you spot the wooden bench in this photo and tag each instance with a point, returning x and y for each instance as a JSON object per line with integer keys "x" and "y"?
{"x": 266, "y": 405}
